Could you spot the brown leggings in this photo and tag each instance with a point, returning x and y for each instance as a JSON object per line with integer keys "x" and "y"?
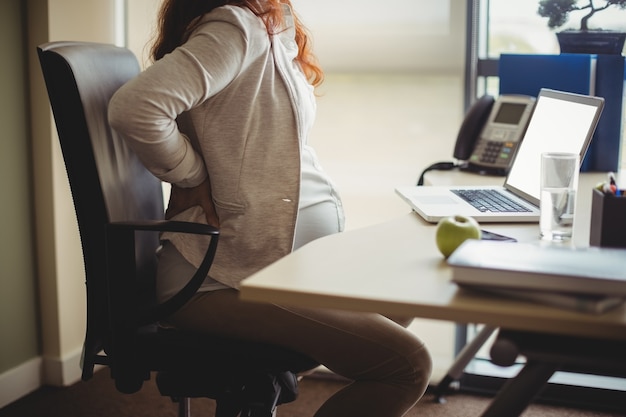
{"x": 389, "y": 366}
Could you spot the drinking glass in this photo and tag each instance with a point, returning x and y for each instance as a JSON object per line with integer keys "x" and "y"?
{"x": 559, "y": 181}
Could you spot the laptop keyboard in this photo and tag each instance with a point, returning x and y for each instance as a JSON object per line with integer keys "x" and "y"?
{"x": 490, "y": 200}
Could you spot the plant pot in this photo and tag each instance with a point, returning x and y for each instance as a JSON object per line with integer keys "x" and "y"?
{"x": 591, "y": 42}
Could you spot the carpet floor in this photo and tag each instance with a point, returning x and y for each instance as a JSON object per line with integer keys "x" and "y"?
{"x": 98, "y": 398}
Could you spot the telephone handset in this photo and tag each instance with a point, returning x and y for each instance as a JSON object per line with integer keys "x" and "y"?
{"x": 492, "y": 131}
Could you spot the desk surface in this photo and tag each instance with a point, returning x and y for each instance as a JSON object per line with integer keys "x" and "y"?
{"x": 395, "y": 268}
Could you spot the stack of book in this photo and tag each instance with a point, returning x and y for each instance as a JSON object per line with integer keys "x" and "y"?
{"x": 591, "y": 279}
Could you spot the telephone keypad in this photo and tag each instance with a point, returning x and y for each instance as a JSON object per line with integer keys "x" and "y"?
{"x": 493, "y": 152}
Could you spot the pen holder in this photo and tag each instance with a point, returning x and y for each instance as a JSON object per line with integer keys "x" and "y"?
{"x": 608, "y": 220}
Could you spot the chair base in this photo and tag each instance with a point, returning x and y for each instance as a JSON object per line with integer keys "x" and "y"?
{"x": 184, "y": 407}
{"x": 251, "y": 395}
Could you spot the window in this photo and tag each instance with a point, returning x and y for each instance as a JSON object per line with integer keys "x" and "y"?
{"x": 503, "y": 26}
{"x": 500, "y": 26}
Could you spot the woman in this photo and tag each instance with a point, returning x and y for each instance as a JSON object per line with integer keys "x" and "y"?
{"x": 223, "y": 115}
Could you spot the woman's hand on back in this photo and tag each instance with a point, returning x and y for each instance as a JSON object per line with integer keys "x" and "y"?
{"x": 182, "y": 199}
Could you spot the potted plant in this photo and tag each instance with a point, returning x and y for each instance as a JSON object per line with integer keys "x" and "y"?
{"x": 583, "y": 40}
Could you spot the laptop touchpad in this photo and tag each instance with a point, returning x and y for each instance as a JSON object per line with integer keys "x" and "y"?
{"x": 436, "y": 199}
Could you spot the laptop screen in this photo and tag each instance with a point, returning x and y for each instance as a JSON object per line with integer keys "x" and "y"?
{"x": 561, "y": 122}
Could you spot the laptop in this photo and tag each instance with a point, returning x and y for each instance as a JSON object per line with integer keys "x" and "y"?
{"x": 561, "y": 122}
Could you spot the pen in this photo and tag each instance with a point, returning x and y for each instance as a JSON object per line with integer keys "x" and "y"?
{"x": 613, "y": 184}
{"x": 610, "y": 187}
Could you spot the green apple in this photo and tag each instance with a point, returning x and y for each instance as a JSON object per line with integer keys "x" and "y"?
{"x": 454, "y": 230}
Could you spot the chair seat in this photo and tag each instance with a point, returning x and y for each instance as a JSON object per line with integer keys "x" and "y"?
{"x": 214, "y": 352}
{"x": 212, "y": 362}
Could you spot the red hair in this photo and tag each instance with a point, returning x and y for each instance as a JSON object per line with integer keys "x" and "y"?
{"x": 176, "y": 19}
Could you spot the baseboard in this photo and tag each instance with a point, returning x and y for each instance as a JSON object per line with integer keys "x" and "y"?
{"x": 20, "y": 381}
{"x": 61, "y": 372}
{"x": 31, "y": 375}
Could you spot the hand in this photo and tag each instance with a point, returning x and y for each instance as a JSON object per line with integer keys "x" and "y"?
{"x": 182, "y": 199}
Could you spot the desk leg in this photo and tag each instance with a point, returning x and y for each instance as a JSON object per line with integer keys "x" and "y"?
{"x": 462, "y": 359}
{"x": 518, "y": 392}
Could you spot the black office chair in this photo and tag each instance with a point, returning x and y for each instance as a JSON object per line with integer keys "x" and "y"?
{"x": 119, "y": 207}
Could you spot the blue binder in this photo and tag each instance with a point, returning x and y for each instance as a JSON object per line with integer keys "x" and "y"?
{"x": 600, "y": 75}
{"x": 604, "y": 152}
{"x": 527, "y": 74}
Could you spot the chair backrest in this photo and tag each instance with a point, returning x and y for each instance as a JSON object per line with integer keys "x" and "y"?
{"x": 107, "y": 180}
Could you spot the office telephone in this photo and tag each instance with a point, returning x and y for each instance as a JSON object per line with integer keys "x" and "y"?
{"x": 491, "y": 133}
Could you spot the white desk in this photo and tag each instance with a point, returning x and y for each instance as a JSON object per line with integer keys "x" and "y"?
{"x": 395, "y": 268}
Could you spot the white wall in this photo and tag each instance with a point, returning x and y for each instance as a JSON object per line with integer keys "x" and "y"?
{"x": 18, "y": 299}
{"x": 360, "y": 35}
{"x": 141, "y": 15}
{"x": 394, "y": 35}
